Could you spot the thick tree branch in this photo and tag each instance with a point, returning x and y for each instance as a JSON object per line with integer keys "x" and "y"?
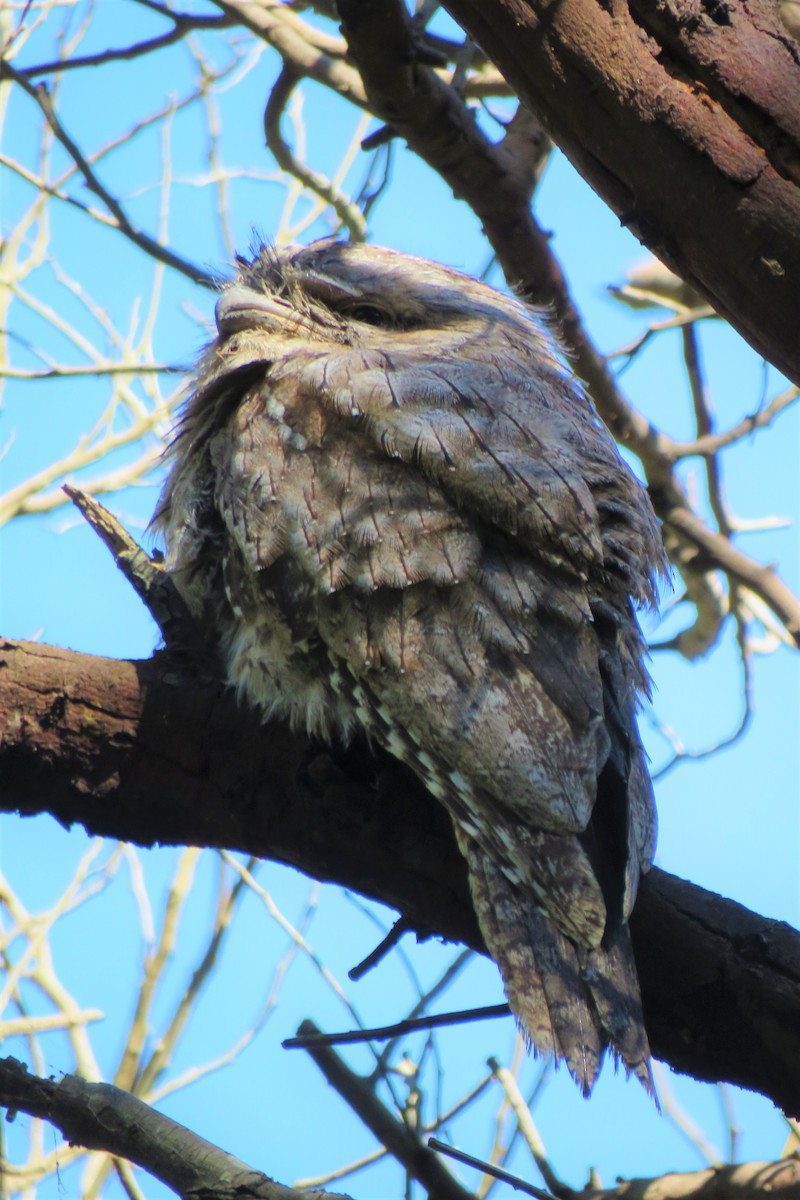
{"x": 146, "y": 752}
{"x": 639, "y": 95}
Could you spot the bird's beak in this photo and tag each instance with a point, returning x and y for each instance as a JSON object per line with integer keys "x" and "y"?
{"x": 240, "y": 308}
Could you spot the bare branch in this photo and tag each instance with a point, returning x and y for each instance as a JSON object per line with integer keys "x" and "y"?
{"x": 348, "y": 213}
{"x": 103, "y": 1117}
{"x": 310, "y": 1041}
{"x": 720, "y": 552}
{"x": 182, "y": 25}
{"x": 398, "y": 1139}
{"x": 299, "y": 44}
{"x": 704, "y": 422}
{"x": 489, "y": 1168}
{"x": 711, "y": 442}
{"x": 161, "y": 253}
{"x": 526, "y": 1125}
{"x": 147, "y": 577}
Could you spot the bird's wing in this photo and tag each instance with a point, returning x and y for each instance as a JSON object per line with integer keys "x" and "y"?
{"x": 472, "y": 657}
{"x": 522, "y": 449}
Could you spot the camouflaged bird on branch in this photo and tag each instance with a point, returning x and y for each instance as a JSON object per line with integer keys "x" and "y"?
{"x": 398, "y": 512}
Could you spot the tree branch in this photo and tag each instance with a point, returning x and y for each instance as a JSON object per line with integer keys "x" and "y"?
{"x": 182, "y": 25}
{"x": 402, "y": 1143}
{"x": 147, "y": 752}
{"x": 764, "y": 581}
{"x": 638, "y": 95}
{"x": 103, "y": 1117}
{"x": 156, "y": 250}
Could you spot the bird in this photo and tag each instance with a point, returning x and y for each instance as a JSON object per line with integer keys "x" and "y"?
{"x": 397, "y": 513}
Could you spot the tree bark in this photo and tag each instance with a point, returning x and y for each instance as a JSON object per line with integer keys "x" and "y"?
{"x": 683, "y": 116}
{"x": 147, "y": 752}
{"x": 103, "y": 1117}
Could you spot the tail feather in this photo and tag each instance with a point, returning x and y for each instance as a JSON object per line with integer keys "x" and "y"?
{"x": 572, "y": 1002}
{"x": 610, "y": 975}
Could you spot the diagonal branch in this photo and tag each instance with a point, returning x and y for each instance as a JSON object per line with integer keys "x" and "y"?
{"x": 103, "y": 1117}
{"x": 402, "y": 1143}
{"x": 720, "y": 552}
{"x": 182, "y": 24}
{"x": 161, "y": 253}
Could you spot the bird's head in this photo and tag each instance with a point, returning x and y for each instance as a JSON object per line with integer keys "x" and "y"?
{"x": 339, "y": 294}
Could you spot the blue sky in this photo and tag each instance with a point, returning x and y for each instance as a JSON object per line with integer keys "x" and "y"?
{"x": 729, "y": 823}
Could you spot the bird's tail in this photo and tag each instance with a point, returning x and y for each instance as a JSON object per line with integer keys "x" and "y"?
{"x": 571, "y": 1002}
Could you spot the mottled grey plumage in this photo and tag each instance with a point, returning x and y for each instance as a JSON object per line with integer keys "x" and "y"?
{"x": 399, "y": 513}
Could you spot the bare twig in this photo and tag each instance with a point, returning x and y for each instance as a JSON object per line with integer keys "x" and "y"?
{"x": 351, "y": 1168}
{"x": 154, "y": 249}
{"x": 309, "y": 51}
{"x": 704, "y": 423}
{"x": 375, "y": 956}
{"x": 424, "y": 1002}
{"x": 711, "y": 442}
{"x": 183, "y": 24}
{"x": 434, "y": 1021}
{"x": 488, "y": 1168}
{"x": 148, "y": 578}
{"x": 152, "y": 1069}
{"x": 764, "y": 581}
{"x": 348, "y": 213}
{"x": 682, "y": 1120}
{"x": 526, "y": 1126}
{"x": 99, "y": 370}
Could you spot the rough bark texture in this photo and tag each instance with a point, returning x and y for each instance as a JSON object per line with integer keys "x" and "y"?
{"x": 641, "y": 95}
{"x": 145, "y": 751}
{"x": 103, "y": 1117}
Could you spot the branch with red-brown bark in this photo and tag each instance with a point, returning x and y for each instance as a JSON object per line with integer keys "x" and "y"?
{"x": 684, "y": 119}
{"x": 146, "y": 752}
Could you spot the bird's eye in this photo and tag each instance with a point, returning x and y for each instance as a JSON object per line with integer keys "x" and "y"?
{"x": 369, "y": 314}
